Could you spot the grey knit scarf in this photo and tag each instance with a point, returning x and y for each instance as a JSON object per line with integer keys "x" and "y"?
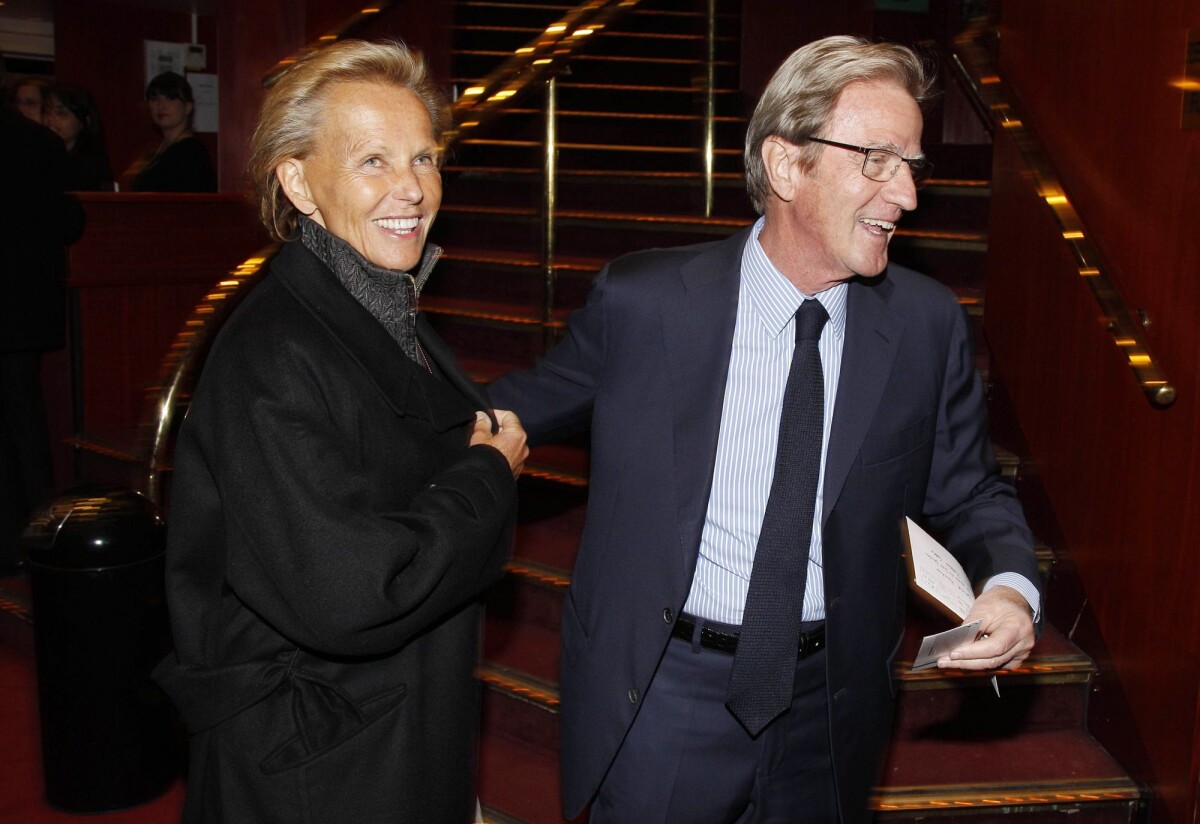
{"x": 390, "y": 296}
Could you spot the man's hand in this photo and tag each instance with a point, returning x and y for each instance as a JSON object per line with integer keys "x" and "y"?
{"x": 1005, "y": 633}
{"x": 509, "y": 438}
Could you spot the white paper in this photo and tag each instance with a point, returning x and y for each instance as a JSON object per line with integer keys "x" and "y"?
{"x": 934, "y": 647}
{"x": 937, "y": 572}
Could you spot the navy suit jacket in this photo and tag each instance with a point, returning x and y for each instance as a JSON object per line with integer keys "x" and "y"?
{"x": 645, "y": 362}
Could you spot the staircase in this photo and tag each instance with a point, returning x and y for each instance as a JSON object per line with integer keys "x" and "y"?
{"x": 629, "y": 130}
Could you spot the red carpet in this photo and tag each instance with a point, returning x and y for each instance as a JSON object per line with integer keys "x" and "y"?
{"x": 21, "y": 800}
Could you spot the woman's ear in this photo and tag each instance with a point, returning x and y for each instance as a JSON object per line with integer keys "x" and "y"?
{"x": 781, "y": 162}
{"x": 290, "y": 174}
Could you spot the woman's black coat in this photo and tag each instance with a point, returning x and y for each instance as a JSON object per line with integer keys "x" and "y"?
{"x": 330, "y": 533}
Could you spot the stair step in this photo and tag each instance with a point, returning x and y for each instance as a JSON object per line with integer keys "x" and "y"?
{"x": 518, "y": 781}
{"x": 1060, "y": 772}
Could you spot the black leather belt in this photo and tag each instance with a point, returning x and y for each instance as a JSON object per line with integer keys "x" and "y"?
{"x": 715, "y": 639}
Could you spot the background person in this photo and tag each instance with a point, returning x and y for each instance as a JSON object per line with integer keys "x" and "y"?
{"x": 28, "y": 97}
{"x": 731, "y": 625}
{"x": 71, "y": 113}
{"x": 37, "y": 222}
{"x": 180, "y": 162}
{"x": 339, "y": 500}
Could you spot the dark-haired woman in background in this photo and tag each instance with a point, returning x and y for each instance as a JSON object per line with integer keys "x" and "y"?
{"x": 180, "y": 163}
{"x": 70, "y": 113}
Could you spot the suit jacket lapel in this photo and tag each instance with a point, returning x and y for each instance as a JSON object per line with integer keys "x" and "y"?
{"x": 698, "y": 335}
{"x": 872, "y": 340}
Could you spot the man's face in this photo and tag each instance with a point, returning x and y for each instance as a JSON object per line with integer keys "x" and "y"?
{"x": 839, "y": 222}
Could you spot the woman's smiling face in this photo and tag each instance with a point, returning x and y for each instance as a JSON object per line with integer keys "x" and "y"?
{"x": 373, "y": 179}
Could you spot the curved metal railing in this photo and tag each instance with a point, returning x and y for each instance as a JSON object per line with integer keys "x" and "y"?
{"x": 179, "y": 367}
{"x": 980, "y": 78}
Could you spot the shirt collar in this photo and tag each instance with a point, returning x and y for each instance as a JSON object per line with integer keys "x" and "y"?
{"x": 772, "y": 296}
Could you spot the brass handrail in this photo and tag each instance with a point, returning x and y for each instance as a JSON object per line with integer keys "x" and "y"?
{"x": 984, "y": 79}
{"x": 190, "y": 345}
{"x": 710, "y": 101}
{"x": 549, "y": 210}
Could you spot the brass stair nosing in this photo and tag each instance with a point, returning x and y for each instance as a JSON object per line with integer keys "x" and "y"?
{"x": 624, "y": 87}
{"x": 539, "y": 574}
{"x": 594, "y": 147}
{"x": 1076, "y": 670}
{"x": 16, "y": 606}
{"x": 612, "y": 58}
{"x": 1025, "y": 796}
{"x": 555, "y": 475}
{"x": 519, "y": 685}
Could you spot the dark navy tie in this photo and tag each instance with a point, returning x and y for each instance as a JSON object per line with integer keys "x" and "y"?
{"x": 764, "y": 666}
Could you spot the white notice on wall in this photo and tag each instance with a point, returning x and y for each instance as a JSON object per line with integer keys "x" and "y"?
{"x": 204, "y": 89}
{"x": 162, "y": 56}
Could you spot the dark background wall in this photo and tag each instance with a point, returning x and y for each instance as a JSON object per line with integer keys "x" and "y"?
{"x": 1096, "y": 82}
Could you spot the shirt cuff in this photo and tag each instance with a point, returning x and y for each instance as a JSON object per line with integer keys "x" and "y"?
{"x": 1022, "y": 585}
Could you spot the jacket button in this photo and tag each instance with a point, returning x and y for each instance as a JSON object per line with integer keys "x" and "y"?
{"x": 633, "y": 695}
{"x": 668, "y": 615}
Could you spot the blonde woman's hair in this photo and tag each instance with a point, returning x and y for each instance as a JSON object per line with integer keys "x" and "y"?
{"x": 294, "y": 110}
{"x": 801, "y": 96}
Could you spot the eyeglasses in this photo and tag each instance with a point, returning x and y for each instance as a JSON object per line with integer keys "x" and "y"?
{"x": 882, "y": 164}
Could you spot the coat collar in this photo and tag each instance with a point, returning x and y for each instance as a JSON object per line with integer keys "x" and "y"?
{"x": 408, "y": 388}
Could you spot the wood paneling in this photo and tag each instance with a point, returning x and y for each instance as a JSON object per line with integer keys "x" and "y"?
{"x": 144, "y": 262}
{"x": 1123, "y": 478}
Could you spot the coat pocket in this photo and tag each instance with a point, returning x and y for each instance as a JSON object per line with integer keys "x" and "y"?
{"x": 326, "y": 718}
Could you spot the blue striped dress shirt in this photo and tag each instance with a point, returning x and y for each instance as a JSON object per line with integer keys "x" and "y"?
{"x": 764, "y": 338}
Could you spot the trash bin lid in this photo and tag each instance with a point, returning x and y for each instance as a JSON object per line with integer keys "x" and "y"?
{"x": 95, "y": 526}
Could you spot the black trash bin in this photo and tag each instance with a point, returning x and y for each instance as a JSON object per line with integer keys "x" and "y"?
{"x": 96, "y": 563}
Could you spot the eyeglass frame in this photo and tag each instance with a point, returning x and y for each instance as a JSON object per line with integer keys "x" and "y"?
{"x": 918, "y": 167}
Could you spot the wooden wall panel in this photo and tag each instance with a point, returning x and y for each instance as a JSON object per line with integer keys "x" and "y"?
{"x": 1093, "y": 80}
{"x": 143, "y": 264}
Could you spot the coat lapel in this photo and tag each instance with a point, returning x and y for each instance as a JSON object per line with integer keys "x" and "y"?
{"x": 698, "y": 335}
{"x": 406, "y": 387}
{"x": 873, "y": 335}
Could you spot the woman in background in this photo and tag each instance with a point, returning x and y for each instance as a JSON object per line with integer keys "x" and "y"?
{"x": 180, "y": 163}
{"x": 71, "y": 114}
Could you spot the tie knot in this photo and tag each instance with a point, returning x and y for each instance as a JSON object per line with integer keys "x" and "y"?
{"x": 810, "y": 320}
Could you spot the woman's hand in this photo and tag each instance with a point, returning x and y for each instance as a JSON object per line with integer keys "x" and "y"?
{"x": 509, "y": 439}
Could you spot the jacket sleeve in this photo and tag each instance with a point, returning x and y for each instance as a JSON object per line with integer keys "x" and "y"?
{"x": 554, "y": 399}
{"x": 967, "y": 502}
{"x": 310, "y": 547}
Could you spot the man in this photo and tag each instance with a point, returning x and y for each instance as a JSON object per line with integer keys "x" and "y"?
{"x": 691, "y": 580}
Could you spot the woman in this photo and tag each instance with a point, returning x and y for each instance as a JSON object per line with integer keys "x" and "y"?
{"x": 71, "y": 114}
{"x": 339, "y": 503}
{"x": 180, "y": 163}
